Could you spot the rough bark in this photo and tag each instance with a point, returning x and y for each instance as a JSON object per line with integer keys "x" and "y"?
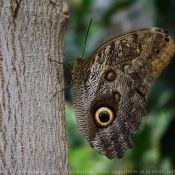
{"x": 32, "y": 121}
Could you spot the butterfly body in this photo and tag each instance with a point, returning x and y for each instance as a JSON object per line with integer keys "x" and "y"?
{"x": 110, "y": 87}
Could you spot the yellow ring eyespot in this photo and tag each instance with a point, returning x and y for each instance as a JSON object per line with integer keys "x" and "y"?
{"x": 104, "y": 116}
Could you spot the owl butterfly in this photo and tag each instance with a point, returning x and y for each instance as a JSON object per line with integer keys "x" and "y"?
{"x": 110, "y": 87}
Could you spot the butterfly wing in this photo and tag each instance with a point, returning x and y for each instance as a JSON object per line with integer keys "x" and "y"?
{"x": 110, "y": 87}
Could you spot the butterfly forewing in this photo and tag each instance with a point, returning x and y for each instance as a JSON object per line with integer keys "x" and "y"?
{"x": 110, "y": 87}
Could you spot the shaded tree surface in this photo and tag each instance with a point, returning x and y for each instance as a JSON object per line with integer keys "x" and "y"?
{"x": 32, "y": 121}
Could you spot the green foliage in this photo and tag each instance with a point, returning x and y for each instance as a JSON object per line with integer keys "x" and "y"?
{"x": 114, "y": 7}
{"x": 153, "y": 145}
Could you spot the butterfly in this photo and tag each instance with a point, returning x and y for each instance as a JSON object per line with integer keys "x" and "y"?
{"x": 110, "y": 87}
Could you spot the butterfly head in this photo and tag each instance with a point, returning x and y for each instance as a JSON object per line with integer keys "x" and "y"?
{"x": 78, "y": 68}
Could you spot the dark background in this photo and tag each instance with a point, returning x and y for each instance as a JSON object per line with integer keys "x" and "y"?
{"x": 154, "y": 144}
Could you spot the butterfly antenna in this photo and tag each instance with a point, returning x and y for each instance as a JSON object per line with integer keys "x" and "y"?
{"x": 63, "y": 89}
{"x": 68, "y": 57}
{"x": 86, "y": 37}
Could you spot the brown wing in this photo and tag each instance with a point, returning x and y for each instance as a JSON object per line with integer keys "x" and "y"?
{"x": 145, "y": 50}
{"x": 110, "y": 87}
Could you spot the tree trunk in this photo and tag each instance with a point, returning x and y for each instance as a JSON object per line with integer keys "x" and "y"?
{"x": 32, "y": 121}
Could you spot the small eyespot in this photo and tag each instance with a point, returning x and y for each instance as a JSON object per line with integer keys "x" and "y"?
{"x": 110, "y": 75}
{"x": 117, "y": 96}
{"x": 104, "y": 116}
{"x": 157, "y": 50}
{"x": 166, "y": 39}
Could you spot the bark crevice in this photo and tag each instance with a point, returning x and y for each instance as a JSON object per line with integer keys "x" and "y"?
{"x": 17, "y": 7}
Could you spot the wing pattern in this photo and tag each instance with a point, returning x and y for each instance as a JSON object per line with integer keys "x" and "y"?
{"x": 110, "y": 87}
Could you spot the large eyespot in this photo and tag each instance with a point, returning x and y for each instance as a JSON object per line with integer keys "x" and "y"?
{"x": 104, "y": 116}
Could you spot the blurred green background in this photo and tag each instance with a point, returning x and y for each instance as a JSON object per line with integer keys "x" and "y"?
{"x": 154, "y": 144}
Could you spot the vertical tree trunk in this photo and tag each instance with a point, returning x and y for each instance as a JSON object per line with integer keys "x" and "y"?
{"x": 32, "y": 121}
